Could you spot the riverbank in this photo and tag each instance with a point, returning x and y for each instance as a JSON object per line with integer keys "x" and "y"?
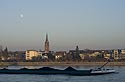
{"x": 60, "y": 63}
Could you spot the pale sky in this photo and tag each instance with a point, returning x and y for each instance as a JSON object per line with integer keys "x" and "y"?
{"x": 92, "y": 24}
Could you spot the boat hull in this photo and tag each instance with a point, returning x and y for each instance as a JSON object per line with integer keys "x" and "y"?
{"x": 41, "y": 72}
{"x": 52, "y": 71}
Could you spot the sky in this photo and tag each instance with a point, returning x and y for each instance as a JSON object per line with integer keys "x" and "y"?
{"x": 90, "y": 24}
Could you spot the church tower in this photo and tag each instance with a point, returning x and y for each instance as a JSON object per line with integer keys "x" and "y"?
{"x": 46, "y": 44}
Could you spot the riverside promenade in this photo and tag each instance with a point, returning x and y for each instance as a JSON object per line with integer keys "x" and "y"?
{"x": 60, "y": 63}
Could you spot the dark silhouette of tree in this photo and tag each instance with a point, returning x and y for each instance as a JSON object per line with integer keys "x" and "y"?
{"x": 36, "y": 58}
{"x": 77, "y": 56}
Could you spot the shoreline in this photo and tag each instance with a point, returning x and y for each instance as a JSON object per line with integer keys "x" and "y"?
{"x": 60, "y": 63}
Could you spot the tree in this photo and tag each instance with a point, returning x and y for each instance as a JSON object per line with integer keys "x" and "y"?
{"x": 37, "y": 58}
{"x": 77, "y": 56}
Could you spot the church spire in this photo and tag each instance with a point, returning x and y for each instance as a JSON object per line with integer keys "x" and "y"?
{"x": 47, "y": 44}
{"x": 46, "y": 37}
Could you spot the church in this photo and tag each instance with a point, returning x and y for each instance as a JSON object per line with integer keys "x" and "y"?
{"x": 46, "y": 44}
{"x": 34, "y": 53}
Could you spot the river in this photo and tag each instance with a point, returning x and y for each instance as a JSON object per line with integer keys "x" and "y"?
{"x": 116, "y": 77}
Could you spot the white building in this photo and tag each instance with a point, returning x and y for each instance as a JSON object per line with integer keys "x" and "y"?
{"x": 31, "y": 53}
{"x": 123, "y": 54}
{"x": 123, "y": 51}
{"x": 116, "y": 54}
{"x": 107, "y": 56}
{"x": 83, "y": 56}
{"x": 94, "y": 54}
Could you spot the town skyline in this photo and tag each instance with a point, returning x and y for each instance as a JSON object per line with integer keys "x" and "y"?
{"x": 46, "y": 47}
{"x": 90, "y": 24}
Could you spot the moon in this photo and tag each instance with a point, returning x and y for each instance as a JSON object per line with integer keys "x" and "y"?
{"x": 21, "y": 16}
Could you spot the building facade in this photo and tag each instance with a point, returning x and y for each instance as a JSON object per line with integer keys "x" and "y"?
{"x": 31, "y": 53}
{"x": 60, "y": 55}
{"x": 117, "y": 54}
{"x": 123, "y": 54}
